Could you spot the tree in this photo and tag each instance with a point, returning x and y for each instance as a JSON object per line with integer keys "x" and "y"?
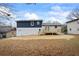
{"x": 74, "y": 14}
{"x": 5, "y": 12}
{"x": 64, "y": 29}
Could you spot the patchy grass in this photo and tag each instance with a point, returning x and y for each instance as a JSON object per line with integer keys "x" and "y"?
{"x": 63, "y": 45}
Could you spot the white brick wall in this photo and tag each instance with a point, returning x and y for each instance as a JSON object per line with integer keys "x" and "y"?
{"x": 74, "y": 28}
{"x": 52, "y": 29}
{"x": 27, "y": 31}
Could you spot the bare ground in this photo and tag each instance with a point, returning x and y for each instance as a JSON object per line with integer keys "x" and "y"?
{"x": 50, "y": 45}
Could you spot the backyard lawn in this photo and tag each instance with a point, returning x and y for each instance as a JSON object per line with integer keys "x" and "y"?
{"x": 49, "y": 45}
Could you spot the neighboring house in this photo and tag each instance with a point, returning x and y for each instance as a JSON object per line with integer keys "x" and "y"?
{"x": 28, "y": 27}
{"x": 7, "y": 31}
{"x": 73, "y": 26}
{"x": 51, "y": 28}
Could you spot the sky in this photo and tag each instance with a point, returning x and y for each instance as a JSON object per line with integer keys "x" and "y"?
{"x": 48, "y": 12}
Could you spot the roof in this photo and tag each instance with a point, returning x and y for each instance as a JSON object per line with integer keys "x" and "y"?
{"x": 5, "y": 28}
{"x": 29, "y": 20}
{"x": 72, "y": 20}
{"x": 52, "y": 24}
{"x": 2, "y": 24}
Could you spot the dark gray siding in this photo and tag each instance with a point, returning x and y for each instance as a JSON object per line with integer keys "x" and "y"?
{"x": 27, "y": 24}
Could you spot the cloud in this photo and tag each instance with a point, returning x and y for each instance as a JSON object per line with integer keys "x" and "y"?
{"x": 58, "y": 14}
{"x": 55, "y": 14}
{"x": 51, "y": 19}
{"x": 5, "y": 10}
{"x": 2, "y": 8}
{"x": 25, "y": 15}
{"x": 13, "y": 15}
{"x": 56, "y": 8}
{"x": 31, "y": 16}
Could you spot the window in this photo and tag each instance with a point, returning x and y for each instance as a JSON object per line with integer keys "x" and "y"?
{"x": 70, "y": 29}
{"x": 38, "y": 23}
{"x": 78, "y": 21}
{"x": 78, "y": 29}
{"x": 32, "y": 23}
{"x": 39, "y": 29}
{"x": 55, "y": 26}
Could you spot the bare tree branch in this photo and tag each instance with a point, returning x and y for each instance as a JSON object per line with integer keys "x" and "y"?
{"x": 6, "y": 14}
{"x": 74, "y": 14}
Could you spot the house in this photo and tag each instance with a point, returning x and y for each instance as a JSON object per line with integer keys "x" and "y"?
{"x": 28, "y": 27}
{"x": 73, "y": 26}
{"x": 7, "y": 31}
{"x": 51, "y": 28}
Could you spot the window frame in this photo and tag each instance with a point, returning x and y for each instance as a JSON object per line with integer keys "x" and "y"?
{"x": 56, "y": 26}
{"x": 32, "y": 23}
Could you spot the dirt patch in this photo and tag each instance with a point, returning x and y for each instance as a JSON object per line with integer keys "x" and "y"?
{"x": 41, "y": 46}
